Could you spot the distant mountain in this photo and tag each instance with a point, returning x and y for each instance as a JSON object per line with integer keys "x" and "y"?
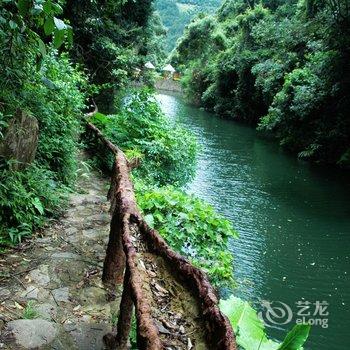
{"x": 176, "y": 14}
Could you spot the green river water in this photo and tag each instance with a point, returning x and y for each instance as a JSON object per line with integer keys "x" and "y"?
{"x": 293, "y": 219}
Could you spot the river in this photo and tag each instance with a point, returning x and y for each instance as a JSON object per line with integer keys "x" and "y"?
{"x": 293, "y": 219}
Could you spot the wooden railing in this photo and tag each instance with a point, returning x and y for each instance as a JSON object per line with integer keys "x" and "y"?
{"x": 130, "y": 240}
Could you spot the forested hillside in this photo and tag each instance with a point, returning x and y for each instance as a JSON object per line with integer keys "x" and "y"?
{"x": 282, "y": 66}
{"x": 177, "y": 14}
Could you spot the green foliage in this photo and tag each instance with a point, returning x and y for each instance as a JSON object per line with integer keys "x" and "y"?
{"x": 53, "y": 95}
{"x": 25, "y": 199}
{"x": 191, "y": 227}
{"x": 22, "y": 24}
{"x": 296, "y": 338}
{"x": 176, "y": 14}
{"x": 112, "y": 38}
{"x": 168, "y": 151}
{"x": 133, "y": 333}
{"x": 29, "y": 312}
{"x": 250, "y": 330}
{"x": 283, "y": 66}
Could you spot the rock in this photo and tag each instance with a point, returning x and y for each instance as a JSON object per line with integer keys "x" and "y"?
{"x": 73, "y": 238}
{"x": 91, "y": 233}
{"x": 71, "y": 230}
{"x": 32, "y": 334}
{"x": 40, "y": 275}
{"x": 89, "y": 336}
{"x": 65, "y": 255}
{"x": 101, "y": 219}
{"x": 77, "y": 199}
{"x": 21, "y": 140}
{"x": 44, "y": 240}
{"x": 96, "y": 294}
{"x": 61, "y": 294}
{"x": 46, "y": 311}
{"x": 43, "y": 294}
{"x": 30, "y": 293}
{"x": 4, "y": 293}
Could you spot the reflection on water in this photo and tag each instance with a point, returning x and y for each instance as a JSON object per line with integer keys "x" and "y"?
{"x": 293, "y": 219}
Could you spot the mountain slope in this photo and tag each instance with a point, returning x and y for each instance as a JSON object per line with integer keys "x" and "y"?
{"x": 176, "y": 14}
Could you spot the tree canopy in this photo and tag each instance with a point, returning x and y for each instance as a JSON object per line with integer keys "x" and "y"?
{"x": 280, "y": 65}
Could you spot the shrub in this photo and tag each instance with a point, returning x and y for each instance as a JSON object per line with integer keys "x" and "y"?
{"x": 26, "y": 198}
{"x": 56, "y": 99}
{"x": 191, "y": 227}
{"x": 168, "y": 151}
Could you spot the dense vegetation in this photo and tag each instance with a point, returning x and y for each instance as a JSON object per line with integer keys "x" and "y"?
{"x": 192, "y": 227}
{"x": 176, "y": 14}
{"x": 282, "y": 66}
{"x": 167, "y": 152}
{"x": 111, "y": 39}
{"x": 55, "y": 54}
{"x": 37, "y": 79}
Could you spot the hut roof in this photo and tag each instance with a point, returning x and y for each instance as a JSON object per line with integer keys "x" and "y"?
{"x": 169, "y": 68}
{"x": 149, "y": 65}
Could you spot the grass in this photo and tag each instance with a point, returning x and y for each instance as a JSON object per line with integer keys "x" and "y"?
{"x": 29, "y": 313}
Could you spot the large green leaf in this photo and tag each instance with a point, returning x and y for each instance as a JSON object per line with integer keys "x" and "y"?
{"x": 248, "y": 327}
{"x": 38, "y": 205}
{"x": 58, "y": 38}
{"x": 296, "y": 338}
{"x": 49, "y": 26}
{"x": 250, "y": 330}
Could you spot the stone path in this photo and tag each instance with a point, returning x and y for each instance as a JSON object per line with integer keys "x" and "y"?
{"x": 51, "y": 295}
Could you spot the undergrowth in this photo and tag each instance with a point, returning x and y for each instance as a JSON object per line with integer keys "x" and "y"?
{"x": 26, "y": 199}
{"x": 168, "y": 152}
{"x": 54, "y": 96}
{"x": 191, "y": 227}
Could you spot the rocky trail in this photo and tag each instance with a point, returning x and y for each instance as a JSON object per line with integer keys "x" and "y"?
{"x": 51, "y": 294}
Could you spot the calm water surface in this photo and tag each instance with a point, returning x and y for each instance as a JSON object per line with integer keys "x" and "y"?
{"x": 293, "y": 220}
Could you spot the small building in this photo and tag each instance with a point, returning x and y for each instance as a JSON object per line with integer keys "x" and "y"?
{"x": 168, "y": 71}
{"x": 150, "y": 66}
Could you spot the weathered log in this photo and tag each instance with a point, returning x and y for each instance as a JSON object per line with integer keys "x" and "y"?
{"x": 21, "y": 140}
{"x": 114, "y": 264}
{"x": 125, "y": 314}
